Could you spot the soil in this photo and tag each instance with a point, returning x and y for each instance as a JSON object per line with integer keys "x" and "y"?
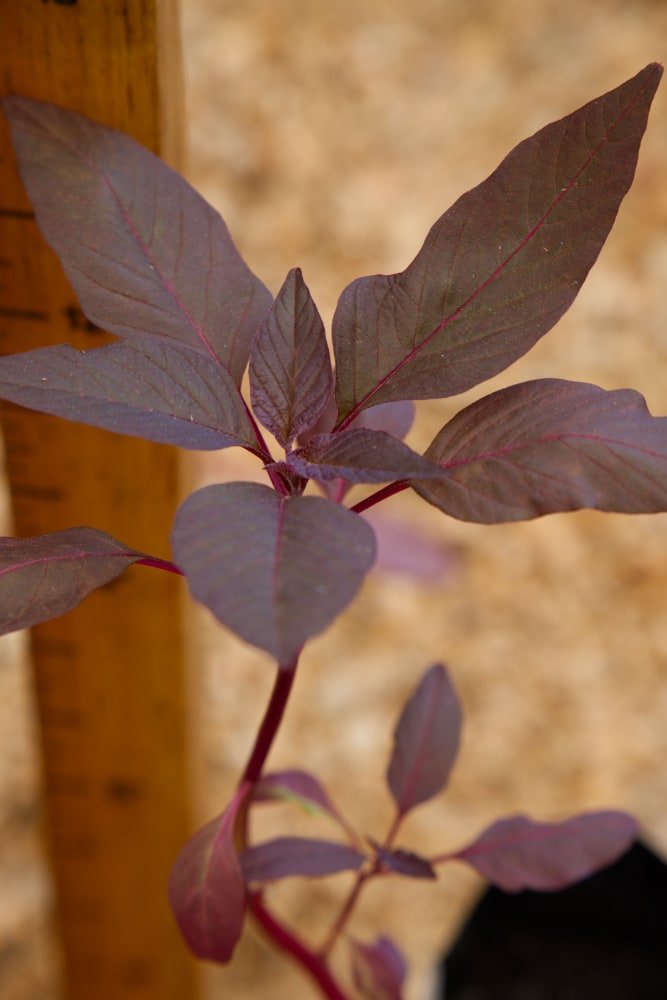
{"x": 331, "y": 137}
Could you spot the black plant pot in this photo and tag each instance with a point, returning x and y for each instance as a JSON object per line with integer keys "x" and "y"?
{"x": 602, "y": 939}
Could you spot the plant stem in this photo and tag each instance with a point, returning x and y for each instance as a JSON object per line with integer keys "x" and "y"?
{"x": 313, "y": 964}
{"x": 379, "y": 495}
{"x": 345, "y": 912}
{"x": 270, "y": 723}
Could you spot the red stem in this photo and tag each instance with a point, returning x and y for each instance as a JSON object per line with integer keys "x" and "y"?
{"x": 311, "y": 963}
{"x": 379, "y": 495}
{"x": 270, "y": 723}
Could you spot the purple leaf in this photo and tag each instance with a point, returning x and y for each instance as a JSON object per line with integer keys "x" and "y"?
{"x": 426, "y": 741}
{"x": 285, "y": 857}
{"x": 403, "y": 548}
{"x": 519, "y": 853}
{"x": 393, "y": 418}
{"x": 404, "y": 863}
{"x": 143, "y": 251}
{"x": 547, "y": 446}
{"x": 291, "y": 381}
{"x": 161, "y": 391}
{"x": 360, "y": 456}
{"x": 276, "y": 570}
{"x": 379, "y": 970}
{"x": 301, "y": 787}
{"x": 206, "y": 888}
{"x": 500, "y": 267}
{"x": 44, "y": 576}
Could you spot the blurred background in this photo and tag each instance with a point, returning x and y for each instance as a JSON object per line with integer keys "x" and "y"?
{"x": 331, "y": 137}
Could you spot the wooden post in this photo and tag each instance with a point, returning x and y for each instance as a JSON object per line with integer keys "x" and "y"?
{"x": 109, "y": 677}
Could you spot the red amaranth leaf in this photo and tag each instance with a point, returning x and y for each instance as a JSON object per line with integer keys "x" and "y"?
{"x": 161, "y": 391}
{"x": 286, "y": 857}
{"x": 144, "y": 252}
{"x": 291, "y": 381}
{"x": 548, "y": 446}
{"x": 360, "y": 456}
{"x": 276, "y": 570}
{"x": 378, "y": 970}
{"x": 500, "y": 267}
{"x": 521, "y": 853}
{"x": 300, "y": 787}
{"x": 426, "y": 741}
{"x": 206, "y": 888}
{"x": 44, "y": 576}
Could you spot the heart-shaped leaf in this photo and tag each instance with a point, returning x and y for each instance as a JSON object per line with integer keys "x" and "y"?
{"x": 520, "y": 853}
{"x": 547, "y": 446}
{"x": 153, "y": 389}
{"x": 360, "y": 456}
{"x": 285, "y": 857}
{"x": 379, "y": 970}
{"x": 500, "y": 267}
{"x": 291, "y": 380}
{"x": 143, "y": 251}
{"x": 206, "y": 888}
{"x": 426, "y": 741}
{"x": 276, "y": 570}
{"x": 44, "y": 576}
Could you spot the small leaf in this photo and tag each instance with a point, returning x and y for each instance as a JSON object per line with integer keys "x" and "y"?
{"x": 152, "y": 389}
{"x": 276, "y": 570}
{"x": 500, "y": 267}
{"x": 285, "y": 857}
{"x": 378, "y": 970}
{"x": 547, "y": 446}
{"x": 300, "y": 787}
{"x": 291, "y": 380}
{"x": 360, "y": 456}
{"x": 393, "y": 418}
{"x": 405, "y": 549}
{"x": 206, "y": 888}
{"x": 426, "y": 741}
{"x": 44, "y": 576}
{"x": 520, "y": 853}
{"x": 143, "y": 251}
{"x": 402, "y": 862}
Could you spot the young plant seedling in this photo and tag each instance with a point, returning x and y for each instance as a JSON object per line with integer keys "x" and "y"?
{"x": 153, "y": 263}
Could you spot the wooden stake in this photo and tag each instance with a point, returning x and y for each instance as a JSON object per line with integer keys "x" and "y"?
{"x": 109, "y": 676}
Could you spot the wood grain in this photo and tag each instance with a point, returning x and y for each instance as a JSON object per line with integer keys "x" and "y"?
{"x": 109, "y": 678}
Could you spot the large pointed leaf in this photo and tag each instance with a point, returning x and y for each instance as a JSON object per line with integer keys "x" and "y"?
{"x": 303, "y": 788}
{"x": 500, "y": 267}
{"x": 44, "y": 576}
{"x": 285, "y": 857}
{"x": 206, "y": 888}
{"x": 547, "y": 446}
{"x": 153, "y": 389}
{"x": 143, "y": 251}
{"x": 276, "y": 570}
{"x": 520, "y": 853}
{"x": 360, "y": 456}
{"x": 426, "y": 741}
{"x": 291, "y": 380}
{"x": 379, "y": 970}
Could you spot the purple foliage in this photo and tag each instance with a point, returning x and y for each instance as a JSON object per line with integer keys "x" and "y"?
{"x": 379, "y": 970}
{"x": 520, "y": 853}
{"x": 426, "y": 742}
{"x": 154, "y": 264}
